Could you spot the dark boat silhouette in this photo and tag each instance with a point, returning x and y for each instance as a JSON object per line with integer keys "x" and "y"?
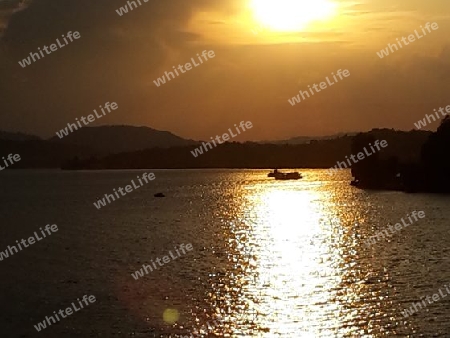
{"x": 285, "y": 176}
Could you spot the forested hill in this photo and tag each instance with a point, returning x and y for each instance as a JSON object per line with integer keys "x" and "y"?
{"x": 316, "y": 154}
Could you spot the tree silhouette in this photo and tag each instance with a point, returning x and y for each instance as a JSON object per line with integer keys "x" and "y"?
{"x": 435, "y": 160}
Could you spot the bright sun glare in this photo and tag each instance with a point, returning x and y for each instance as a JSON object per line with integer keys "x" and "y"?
{"x": 291, "y": 15}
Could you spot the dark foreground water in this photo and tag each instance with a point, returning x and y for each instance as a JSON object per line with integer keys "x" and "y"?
{"x": 269, "y": 259}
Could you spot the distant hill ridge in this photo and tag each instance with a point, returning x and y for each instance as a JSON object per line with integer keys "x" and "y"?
{"x": 6, "y": 135}
{"x": 403, "y": 146}
{"x": 116, "y": 147}
{"x": 307, "y": 139}
{"x": 117, "y": 139}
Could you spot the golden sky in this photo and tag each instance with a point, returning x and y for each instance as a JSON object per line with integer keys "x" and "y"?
{"x": 266, "y": 51}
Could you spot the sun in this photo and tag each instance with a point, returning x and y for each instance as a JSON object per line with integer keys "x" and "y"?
{"x": 291, "y": 15}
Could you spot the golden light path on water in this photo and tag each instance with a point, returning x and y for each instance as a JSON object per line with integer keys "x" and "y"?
{"x": 294, "y": 258}
{"x": 298, "y": 262}
{"x": 291, "y": 261}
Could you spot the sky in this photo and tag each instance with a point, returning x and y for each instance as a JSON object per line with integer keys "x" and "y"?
{"x": 265, "y": 52}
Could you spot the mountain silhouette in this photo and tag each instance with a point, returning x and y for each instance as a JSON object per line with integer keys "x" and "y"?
{"x": 117, "y": 139}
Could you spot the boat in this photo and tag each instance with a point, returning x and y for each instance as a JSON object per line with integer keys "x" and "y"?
{"x": 285, "y": 176}
{"x": 288, "y": 176}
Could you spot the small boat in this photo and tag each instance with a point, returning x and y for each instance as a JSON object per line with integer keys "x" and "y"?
{"x": 288, "y": 176}
{"x": 285, "y": 176}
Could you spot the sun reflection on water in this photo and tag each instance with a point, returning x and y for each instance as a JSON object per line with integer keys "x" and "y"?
{"x": 293, "y": 263}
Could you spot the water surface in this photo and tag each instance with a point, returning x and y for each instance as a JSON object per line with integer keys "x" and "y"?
{"x": 270, "y": 259}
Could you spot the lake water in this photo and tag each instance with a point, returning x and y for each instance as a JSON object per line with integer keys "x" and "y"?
{"x": 270, "y": 258}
